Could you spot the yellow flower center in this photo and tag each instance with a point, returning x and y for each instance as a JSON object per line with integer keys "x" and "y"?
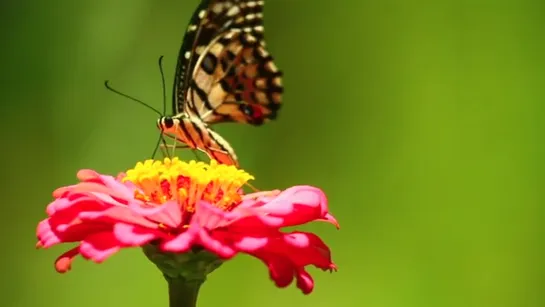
{"x": 188, "y": 183}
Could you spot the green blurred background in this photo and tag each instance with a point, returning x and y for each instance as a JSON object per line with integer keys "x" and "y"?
{"x": 422, "y": 120}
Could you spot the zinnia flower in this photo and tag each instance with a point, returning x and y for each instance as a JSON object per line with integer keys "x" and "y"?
{"x": 189, "y": 210}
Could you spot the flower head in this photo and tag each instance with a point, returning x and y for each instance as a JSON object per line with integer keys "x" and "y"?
{"x": 182, "y": 208}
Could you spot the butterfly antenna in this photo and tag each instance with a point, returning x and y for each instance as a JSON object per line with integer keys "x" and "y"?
{"x": 107, "y": 85}
{"x": 156, "y": 146}
{"x": 161, "y": 138}
{"x": 163, "y": 84}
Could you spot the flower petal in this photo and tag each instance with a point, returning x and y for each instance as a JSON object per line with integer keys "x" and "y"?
{"x": 287, "y": 254}
{"x": 117, "y": 214}
{"x": 216, "y": 244}
{"x": 304, "y": 281}
{"x": 298, "y": 205}
{"x": 281, "y": 272}
{"x": 75, "y": 203}
{"x": 295, "y": 206}
{"x": 64, "y": 262}
{"x": 182, "y": 242}
{"x": 99, "y": 246}
{"x": 168, "y": 214}
{"x": 133, "y": 235}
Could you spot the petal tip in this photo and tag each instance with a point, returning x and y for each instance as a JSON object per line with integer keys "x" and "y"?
{"x": 332, "y": 220}
{"x": 63, "y": 265}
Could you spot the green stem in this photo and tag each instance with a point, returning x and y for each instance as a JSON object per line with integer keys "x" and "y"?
{"x": 183, "y": 293}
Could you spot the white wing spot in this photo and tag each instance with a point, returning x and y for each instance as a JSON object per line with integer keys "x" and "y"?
{"x": 200, "y": 49}
{"x": 251, "y": 39}
{"x": 233, "y": 11}
{"x": 263, "y": 52}
{"x": 217, "y": 8}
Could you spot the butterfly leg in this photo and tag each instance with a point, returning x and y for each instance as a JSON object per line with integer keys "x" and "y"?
{"x": 164, "y": 147}
{"x": 174, "y": 147}
{"x": 254, "y": 188}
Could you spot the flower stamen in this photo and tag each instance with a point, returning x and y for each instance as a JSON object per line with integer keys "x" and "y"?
{"x": 188, "y": 183}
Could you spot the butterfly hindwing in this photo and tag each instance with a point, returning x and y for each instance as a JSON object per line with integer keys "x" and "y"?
{"x": 235, "y": 80}
{"x": 250, "y": 85}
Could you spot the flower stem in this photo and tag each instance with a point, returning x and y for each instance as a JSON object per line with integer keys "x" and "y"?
{"x": 182, "y": 292}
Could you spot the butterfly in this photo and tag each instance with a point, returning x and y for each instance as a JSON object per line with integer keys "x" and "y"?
{"x": 224, "y": 74}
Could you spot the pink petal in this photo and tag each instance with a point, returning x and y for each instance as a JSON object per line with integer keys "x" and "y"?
{"x": 216, "y": 244}
{"x": 133, "y": 235}
{"x": 331, "y": 219}
{"x": 251, "y": 243}
{"x": 67, "y": 233}
{"x": 99, "y": 246}
{"x": 168, "y": 213}
{"x": 286, "y": 255}
{"x": 205, "y": 219}
{"x": 116, "y": 194}
{"x": 64, "y": 225}
{"x": 182, "y": 242}
{"x": 87, "y": 175}
{"x": 258, "y": 198}
{"x": 117, "y": 214}
{"x": 210, "y": 217}
{"x": 304, "y": 248}
{"x": 304, "y": 281}
{"x": 295, "y": 206}
{"x": 73, "y": 204}
{"x": 298, "y": 205}
{"x": 64, "y": 262}
{"x": 281, "y": 272}
{"x": 90, "y": 176}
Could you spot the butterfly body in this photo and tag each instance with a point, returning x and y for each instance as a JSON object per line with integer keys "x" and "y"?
{"x": 196, "y": 134}
{"x": 223, "y": 74}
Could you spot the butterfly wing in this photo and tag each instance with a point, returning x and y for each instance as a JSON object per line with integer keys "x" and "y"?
{"x": 251, "y": 92}
{"x": 235, "y": 80}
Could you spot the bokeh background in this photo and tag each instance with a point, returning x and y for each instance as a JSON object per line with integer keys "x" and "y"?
{"x": 422, "y": 120}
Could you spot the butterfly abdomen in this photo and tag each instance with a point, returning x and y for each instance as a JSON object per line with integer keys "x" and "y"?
{"x": 196, "y": 134}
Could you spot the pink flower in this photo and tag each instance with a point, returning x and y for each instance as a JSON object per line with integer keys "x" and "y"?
{"x": 178, "y": 206}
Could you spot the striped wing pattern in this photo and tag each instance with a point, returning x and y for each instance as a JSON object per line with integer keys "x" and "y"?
{"x": 224, "y": 72}
{"x": 235, "y": 80}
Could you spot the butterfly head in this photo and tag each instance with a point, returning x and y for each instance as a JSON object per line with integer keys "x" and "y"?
{"x": 165, "y": 123}
{"x": 169, "y": 123}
